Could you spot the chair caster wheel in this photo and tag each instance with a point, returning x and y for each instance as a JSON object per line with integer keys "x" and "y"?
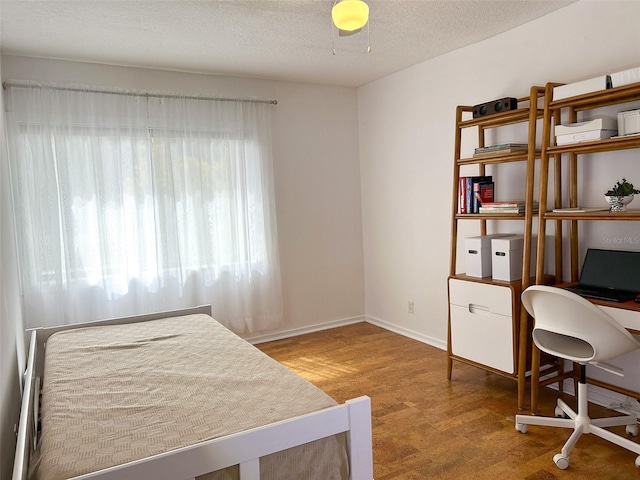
{"x": 521, "y": 427}
{"x": 562, "y": 462}
{"x": 638, "y": 462}
{"x": 560, "y": 413}
{"x": 632, "y": 429}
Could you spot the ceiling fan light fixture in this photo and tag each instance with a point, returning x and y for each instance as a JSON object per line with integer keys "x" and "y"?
{"x": 350, "y": 15}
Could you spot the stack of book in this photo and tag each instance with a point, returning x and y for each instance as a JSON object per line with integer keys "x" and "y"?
{"x": 474, "y": 192}
{"x": 515, "y": 207}
{"x": 500, "y": 149}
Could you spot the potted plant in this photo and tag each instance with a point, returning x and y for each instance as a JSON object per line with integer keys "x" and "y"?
{"x": 620, "y": 195}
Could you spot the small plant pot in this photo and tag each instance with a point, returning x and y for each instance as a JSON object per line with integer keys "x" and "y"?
{"x": 618, "y": 204}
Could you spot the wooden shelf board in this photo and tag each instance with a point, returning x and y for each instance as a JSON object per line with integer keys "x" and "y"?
{"x": 610, "y": 144}
{"x": 600, "y": 98}
{"x": 630, "y": 215}
{"x": 487, "y": 280}
{"x": 491, "y": 216}
{"x": 500, "y": 119}
{"x": 548, "y": 280}
{"x": 497, "y": 158}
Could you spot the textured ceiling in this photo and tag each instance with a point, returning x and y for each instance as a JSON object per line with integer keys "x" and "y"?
{"x": 283, "y": 40}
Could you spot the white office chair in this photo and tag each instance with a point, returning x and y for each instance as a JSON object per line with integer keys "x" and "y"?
{"x": 568, "y": 326}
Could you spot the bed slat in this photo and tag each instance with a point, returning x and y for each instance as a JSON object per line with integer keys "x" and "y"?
{"x": 250, "y": 470}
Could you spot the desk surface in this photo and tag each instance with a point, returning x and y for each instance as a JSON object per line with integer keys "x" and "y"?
{"x": 627, "y": 313}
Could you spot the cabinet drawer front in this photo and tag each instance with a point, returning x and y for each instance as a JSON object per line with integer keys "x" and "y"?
{"x": 495, "y": 299}
{"x": 483, "y": 337}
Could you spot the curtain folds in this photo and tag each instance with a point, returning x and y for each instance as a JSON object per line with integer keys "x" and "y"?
{"x": 128, "y": 203}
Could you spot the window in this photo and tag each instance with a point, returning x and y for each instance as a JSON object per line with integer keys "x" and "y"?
{"x": 126, "y": 203}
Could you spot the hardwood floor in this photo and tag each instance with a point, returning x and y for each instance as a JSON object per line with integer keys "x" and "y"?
{"x": 425, "y": 426}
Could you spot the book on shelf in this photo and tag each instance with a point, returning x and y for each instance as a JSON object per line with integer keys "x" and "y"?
{"x": 506, "y": 207}
{"x": 500, "y": 211}
{"x": 471, "y": 181}
{"x": 462, "y": 194}
{"x": 466, "y": 194}
{"x": 507, "y": 203}
{"x": 508, "y": 210}
{"x": 501, "y": 148}
{"x": 580, "y": 209}
{"x": 499, "y": 152}
{"x": 482, "y": 193}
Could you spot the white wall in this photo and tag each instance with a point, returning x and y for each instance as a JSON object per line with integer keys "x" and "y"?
{"x": 316, "y": 169}
{"x": 407, "y": 126}
{"x": 11, "y": 325}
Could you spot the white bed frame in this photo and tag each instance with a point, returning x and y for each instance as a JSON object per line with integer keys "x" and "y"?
{"x": 243, "y": 448}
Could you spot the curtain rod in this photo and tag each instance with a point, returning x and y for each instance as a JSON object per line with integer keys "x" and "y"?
{"x": 134, "y": 94}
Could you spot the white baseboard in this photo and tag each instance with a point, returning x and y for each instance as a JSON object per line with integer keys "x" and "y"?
{"x": 270, "y": 337}
{"x": 434, "y": 342}
{"x": 294, "y": 332}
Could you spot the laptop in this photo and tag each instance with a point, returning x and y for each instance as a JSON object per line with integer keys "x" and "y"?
{"x": 611, "y": 275}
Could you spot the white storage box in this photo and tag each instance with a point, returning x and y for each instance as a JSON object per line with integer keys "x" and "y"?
{"x": 578, "y": 88}
{"x": 588, "y": 136}
{"x": 625, "y": 77}
{"x": 506, "y": 257}
{"x": 629, "y": 122}
{"x": 602, "y": 123}
{"x": 477, "y": 254}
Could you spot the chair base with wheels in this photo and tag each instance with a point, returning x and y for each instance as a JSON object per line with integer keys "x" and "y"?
{"x": 581, "y": 424}
{"x": 570, "y": 327}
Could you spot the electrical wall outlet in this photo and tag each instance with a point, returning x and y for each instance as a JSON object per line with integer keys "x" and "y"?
{"x": 411, "y": 307}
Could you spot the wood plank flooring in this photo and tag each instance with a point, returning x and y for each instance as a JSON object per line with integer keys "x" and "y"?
{"x": 426, "y": 427}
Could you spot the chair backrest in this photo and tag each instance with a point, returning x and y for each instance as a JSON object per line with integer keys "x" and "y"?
{"x": 569, "y": 326}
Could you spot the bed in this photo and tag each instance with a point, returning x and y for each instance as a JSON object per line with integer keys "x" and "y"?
{"x": 177, "y": 396}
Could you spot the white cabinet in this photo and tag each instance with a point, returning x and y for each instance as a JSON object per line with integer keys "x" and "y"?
{"x": 483, "y": 328}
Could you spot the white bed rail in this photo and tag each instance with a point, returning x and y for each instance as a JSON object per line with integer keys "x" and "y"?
{"x": 45, "y": 332}
{"x": 246, "y": 448}
{"x": 27, "y": 425}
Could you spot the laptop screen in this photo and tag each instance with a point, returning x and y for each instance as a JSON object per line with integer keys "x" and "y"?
{"x": 615, "y": 269}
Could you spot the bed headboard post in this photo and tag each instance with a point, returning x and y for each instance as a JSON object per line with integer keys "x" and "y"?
{"x": 360, "y": 438}
{"x": 26, "y": 433}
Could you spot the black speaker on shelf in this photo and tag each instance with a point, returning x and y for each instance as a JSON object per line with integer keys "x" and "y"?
{"x": 495, "y": 106}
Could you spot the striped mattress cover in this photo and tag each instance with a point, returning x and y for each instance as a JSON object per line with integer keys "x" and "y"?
{"x": 113, "y": 394}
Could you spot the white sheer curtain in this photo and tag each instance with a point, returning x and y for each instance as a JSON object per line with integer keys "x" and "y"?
{"x": 130, "y": 203}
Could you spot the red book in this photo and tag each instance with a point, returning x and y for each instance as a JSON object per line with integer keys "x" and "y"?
{"x": 472, "y": 185}
{"x": 482, "y": 193}
{"x": 462, "y": 194}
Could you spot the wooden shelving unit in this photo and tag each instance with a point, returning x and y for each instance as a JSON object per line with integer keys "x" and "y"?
{"x": 553, "y": 113}
{"x": 511, "y": 324}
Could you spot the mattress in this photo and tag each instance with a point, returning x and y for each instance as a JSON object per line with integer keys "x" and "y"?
{"x": 113, "y": 394}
